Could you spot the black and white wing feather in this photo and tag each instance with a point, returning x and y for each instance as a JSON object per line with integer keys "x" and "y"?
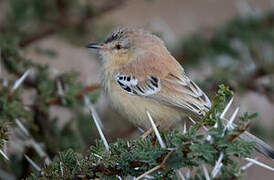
{"x": 131, "y": 84}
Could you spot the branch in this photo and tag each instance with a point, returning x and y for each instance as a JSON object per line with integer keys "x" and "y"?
{"x": 90, "y": 15}
{"x": 79, "y": 95}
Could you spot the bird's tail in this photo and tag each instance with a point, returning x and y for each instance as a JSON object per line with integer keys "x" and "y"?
{"x": 260, "y": 146}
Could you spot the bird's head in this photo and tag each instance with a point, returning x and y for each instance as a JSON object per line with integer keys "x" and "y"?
{"x": 125, "y": 44}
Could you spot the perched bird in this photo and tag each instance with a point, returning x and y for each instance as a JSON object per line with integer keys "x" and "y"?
{"x": 140, "y": 75}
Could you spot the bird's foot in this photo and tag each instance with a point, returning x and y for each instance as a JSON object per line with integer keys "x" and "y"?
{"x": 150, "y": 130}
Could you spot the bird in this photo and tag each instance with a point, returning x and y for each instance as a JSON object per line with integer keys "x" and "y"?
{"x": 140, "y": 75}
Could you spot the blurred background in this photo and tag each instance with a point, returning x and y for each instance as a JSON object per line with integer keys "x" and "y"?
{"x": 217, "y": 41}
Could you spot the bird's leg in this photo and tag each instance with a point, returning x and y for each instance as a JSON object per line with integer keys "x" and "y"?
{"x": 150, "y": 130}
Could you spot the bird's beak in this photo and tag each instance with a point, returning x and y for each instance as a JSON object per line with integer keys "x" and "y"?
{"x": 99, "y": 46}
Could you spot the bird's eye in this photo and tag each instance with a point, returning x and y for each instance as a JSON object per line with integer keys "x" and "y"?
{"x": 118, "y": 46}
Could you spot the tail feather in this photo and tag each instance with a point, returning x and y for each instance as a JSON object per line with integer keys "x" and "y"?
{"x": 260, "y": 146}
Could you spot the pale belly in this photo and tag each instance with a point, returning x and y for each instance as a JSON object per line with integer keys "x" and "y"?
{"x": 134, "y": 108}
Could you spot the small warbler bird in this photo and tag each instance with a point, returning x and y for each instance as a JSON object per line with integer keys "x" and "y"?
{"x": 140, "y": 75}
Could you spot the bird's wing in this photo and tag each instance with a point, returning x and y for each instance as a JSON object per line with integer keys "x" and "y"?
{"x": 164, "y": 80}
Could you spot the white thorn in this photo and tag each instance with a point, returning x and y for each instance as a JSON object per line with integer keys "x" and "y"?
{"x": 96, "y": 155}
{"x": 33, "y": 143}
{"x": 141, "y": 130}
{"x": 215, "y": 125}
{"x": 208, "y": 138}
{"x": 226, "y": 108}
{"x": 188, "y": 174}
{"x": 91, "y": 108}
{"x": 156, "y": 131}
{"x": 259, "y": 164}
{"x": 61, "y": 168}
{"x": 229, "y": 124}
{"x": 96, "y": 121}
{"x": 149, "y": 177}
{"x": 33, "y": 163}
{"x": 246, "y": 166}
{"x": 184, "y": 128}
{"x": 20, "y": 80}
{"x": 5, "y": 148}
{"x": 191, "y": 120}
{"x": 22, "y": 127}
{"x": 39, "y": 150}
{"x": 119, "y": 177}
{"x": 4, "y": 155}
{"x": 215, "y": 173}
{"x": 60, "y": 91}
{"x": 205, "y": 128}
{"x": 171, "y": 149}
{"x": 78, "y": 163}
{"x": 181, "y": 175}
{"x": 205, "y": 172}
{"x": 217, "y": 166}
